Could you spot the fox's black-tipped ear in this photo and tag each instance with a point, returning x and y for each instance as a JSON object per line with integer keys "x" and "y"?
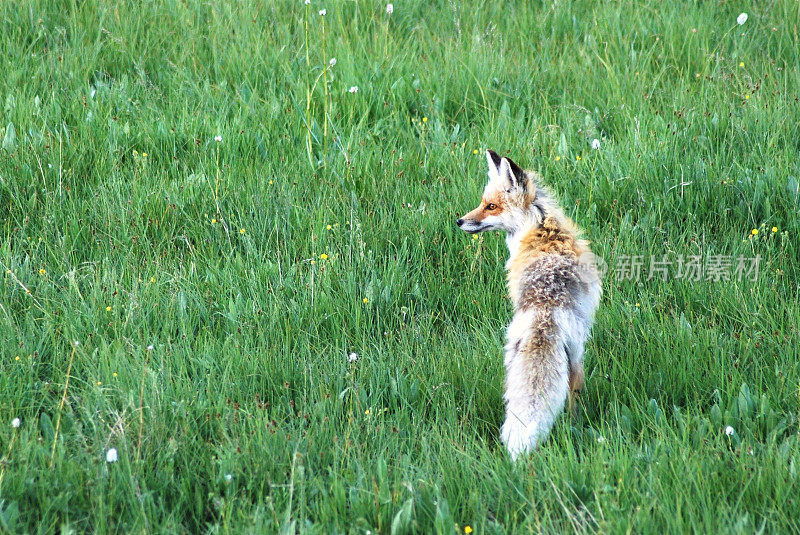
{"x": 493, "y": 161}
{"x": 518, "y": 172}
{"x": 513, "y": 173}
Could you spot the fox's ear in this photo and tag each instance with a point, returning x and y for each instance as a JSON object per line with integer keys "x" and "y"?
{"x": 493, "y": 161}
{"x": 512, "y": 174}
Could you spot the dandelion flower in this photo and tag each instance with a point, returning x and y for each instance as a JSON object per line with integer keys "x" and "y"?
{"x": 329, "y": 227}
{"x": 475, "y": 151}
{"x": 111, "y": 455}
{"x": 754, "y": 231}
{"x": 467, "y": 529}
{"x": 365, "y": 300}
{"x": 741, "y": 64}
{"x": 474, "y": 236}
{"x": 241, "y": 231}
{"x": 108, "y": 309}
{"x": 323, "y": 256}
{"x": 217, "y": 138}
{"x": 424, "y": 119}
{"x": 332, "y": 62}
{"x": 366, "y": 412}
{"x": 389, "y": 9}
{"x": 323, "y": 12}
{"x": 42, "y": 271}
{"x": 774, "y": 229}
{"x": 16, "y": 358}
{"x": 353, "y": 89}
{"x": 213, "y": 221}
{"x": 558, "y": 158}
{"x": 741, "y": 19}
{"x": 729, "y": 431}
{"x": 15, "y": 423}
{"x": 352, "y": 357}
{"x": 596, "y": 144}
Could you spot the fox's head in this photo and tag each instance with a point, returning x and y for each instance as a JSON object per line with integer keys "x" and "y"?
{"x": 508, "y": 199}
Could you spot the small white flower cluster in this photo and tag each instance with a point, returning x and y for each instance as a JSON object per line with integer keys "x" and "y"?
{"x": 15, "y": 423}
{"x": 353, "y": 89}
{"x": 323, "y": 12}
{"x": 596, "y": 144}
{"x": 729, "y": 431}
{"x": 111, "y": 455}
{"x": 332, "y": 62}
{"x": 389, "y": 9}
{"x": 352, "y": 357}
{"x": 217, "y": 138}
{"x": 741, "y": 19}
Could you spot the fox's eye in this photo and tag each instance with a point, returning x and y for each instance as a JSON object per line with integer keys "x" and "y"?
{"x": 491, "y": 206}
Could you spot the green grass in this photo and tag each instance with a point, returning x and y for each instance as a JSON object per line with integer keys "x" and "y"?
{"x": 249, "y": 375}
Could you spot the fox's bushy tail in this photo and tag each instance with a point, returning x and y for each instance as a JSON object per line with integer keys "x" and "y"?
{"x": 537, "y": 379}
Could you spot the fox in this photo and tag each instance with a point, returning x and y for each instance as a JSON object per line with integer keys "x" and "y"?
{"x": 555, "y": 287}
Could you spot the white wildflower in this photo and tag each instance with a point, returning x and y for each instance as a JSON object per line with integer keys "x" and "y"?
{"x": 353, "y": 89}
{"x": 15, "y": 423}
{"x": 150, "y": 347}
{"x": 323, "y": 12}
{"x": 217, "y": 138}
{"x": 390, "y": 9}
{"x": 308, "y": 2}
{"x": 729, "y": 430}
{"x": 111, "y": 455}
{"x": 741, "y": 19}
{"x": 596, "y": 144}
{"x": 332, "y": 62}
{"x": 352, "y": 357}
{"x": 228, "y": 478}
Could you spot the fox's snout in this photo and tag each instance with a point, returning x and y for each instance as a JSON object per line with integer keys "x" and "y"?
{"x": 459, "y": 221}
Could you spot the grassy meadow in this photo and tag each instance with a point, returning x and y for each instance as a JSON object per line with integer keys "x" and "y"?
{"x": 201, "y": 219}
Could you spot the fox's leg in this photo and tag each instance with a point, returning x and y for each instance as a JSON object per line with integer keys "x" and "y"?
{"x": 576, "y": 378}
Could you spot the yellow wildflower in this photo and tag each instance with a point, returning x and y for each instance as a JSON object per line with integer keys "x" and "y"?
{"x": 241, "y": 231}
{"x": 323, "y": 256}
{"x": 42, "y": 271}
{"x": 365, "y": 300}
{"x": 774, "y": 229}
{"x": 475, "y": 151}
{"x": 754, "y": 231}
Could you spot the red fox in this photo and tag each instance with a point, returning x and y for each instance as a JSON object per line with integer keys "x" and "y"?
{"x": 554, "y": 284}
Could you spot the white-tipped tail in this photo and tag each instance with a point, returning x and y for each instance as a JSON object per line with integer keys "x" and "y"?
{"x": 537, "y": 379}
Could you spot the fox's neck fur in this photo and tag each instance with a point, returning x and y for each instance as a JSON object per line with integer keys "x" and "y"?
{"x": 546, "y": 231}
